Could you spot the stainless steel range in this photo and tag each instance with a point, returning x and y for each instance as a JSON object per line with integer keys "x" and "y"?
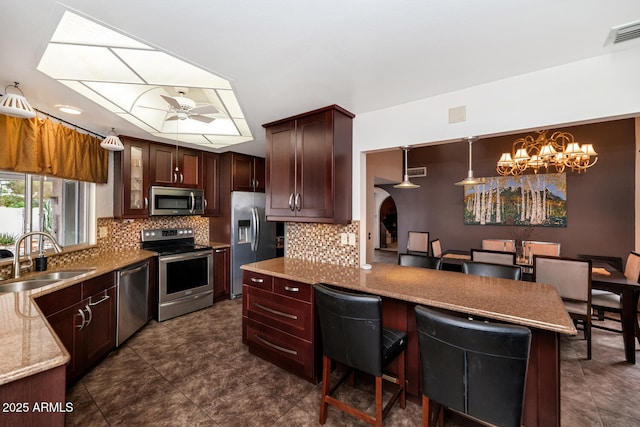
{"x": 185, "y": 271}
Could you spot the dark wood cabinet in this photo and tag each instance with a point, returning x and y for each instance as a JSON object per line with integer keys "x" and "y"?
{"x": 221, "y": 274}
{"x": 308, "y": 167}
{"x": 175, "y": 166}
{"x": 83, "y": 317}
{"x": 247, "y": 173}
{"x": 278, "y": 323}
{"x": 131, "y": 179}
{"x": 211, "y": 183}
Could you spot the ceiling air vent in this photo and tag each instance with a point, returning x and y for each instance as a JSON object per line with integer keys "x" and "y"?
{"x": 415, "y": 172}
{"x": 623, "y": 33}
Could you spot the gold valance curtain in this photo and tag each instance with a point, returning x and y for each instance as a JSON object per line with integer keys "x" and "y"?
{"x": 42, "y": 147}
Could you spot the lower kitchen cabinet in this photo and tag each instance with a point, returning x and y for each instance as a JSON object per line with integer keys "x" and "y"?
{"x": 221, "y": 276}
{"x": 84, "y": 318}
{"x": 278, "y": 323}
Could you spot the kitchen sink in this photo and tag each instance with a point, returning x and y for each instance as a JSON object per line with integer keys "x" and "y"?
{"x": 25, "y": 285}
{"x": 62, "y": 275}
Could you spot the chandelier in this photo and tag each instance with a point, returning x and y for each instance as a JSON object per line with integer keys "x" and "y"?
{"x": 559, "y": 151}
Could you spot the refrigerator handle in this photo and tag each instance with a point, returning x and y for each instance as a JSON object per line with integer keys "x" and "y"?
{"x": 254, "y": 226}
{"x": 257, "y": 229}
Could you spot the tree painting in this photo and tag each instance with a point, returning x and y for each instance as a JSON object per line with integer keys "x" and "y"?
{"x": 525, "y": 200}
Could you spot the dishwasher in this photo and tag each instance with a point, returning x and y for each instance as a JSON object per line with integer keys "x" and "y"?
{"x": 133, "y": 300}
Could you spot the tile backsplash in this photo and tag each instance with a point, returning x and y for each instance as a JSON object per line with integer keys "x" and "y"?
{"x": 323, "y": 243}
{"x": 311, "y": 242}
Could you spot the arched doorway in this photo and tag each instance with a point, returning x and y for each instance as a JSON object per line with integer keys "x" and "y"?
{"x": 386, "y": 239}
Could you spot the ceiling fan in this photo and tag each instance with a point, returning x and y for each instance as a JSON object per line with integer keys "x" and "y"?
{"x": 182, "y": 108}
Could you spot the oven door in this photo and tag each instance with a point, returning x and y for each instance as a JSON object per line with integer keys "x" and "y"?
{"x": 185, "y": 275}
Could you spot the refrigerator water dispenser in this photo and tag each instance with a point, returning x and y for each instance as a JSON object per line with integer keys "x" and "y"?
{"x": 244, "y": 231}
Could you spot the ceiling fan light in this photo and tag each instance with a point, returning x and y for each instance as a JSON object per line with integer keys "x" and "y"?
{"x": 16, "y": 105}
{"x": 112, "y": 142}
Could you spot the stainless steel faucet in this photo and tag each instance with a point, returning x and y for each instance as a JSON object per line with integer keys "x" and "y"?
{"x": 19, "y": 240}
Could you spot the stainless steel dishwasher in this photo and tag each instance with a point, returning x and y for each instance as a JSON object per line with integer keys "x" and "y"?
{"x": 133, "y": 297}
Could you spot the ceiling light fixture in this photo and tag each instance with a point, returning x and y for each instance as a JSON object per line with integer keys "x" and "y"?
{"x": 69, "y": 109}
{"x": 470, "y": 180}
{"x": 112, "y": 142}
{"x": 16, "y": 105}
{"x": 405, "y": 182}
{"x": 560, "y": 151}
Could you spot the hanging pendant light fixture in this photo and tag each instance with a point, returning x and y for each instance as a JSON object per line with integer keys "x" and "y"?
{"x": 470, "y": 180}
{"x": 16, "y": 105}
{"x": 405, "y": 181}
{"x": 112, "y": 142}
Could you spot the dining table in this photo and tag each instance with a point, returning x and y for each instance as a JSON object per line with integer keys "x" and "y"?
{"x": 605, "y": 277}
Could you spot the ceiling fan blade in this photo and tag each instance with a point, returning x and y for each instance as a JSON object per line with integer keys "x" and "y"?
{"x": 172, "y": 102}
{"x": 171, "y": 118}
{"x": 203, "y": 119}
{"x": 205, "y": 109}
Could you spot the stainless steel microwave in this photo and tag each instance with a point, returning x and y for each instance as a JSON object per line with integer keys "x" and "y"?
{"x": 176, "y": 201}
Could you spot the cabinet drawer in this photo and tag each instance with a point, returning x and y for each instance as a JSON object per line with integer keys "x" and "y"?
{"x": 286, "y": 314}
{"x": 98, "y": 284}
{"x": 289, "y": 288}
{"x": 290, "y": 353}
{"x": 257, "y": 280}
{"x": 58, "y": 300}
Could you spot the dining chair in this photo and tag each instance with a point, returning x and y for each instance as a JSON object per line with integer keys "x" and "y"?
{"x": 486, "y": 269}
{"x": 436, "y": 248}
{"x": 614, "y": 261}
{"x": 572, "y": 279}
{"x": 476, "y": 368}
{"x": 532, "y": 248}
{"x": 352, "y": 334}
{"x": 504, "y": 245}
{"x": 424, "y": 261}
{"x": 418, "y": 242}
{"x": 605, "y": 301}
{"x": 493, "y": 257}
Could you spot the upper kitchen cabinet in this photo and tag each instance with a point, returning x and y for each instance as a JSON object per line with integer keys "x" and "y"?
{"x": 131, "y": 179}
{"x": 211, "y": 183}
{"x": 308, "y": 167}
{"x": 247, "y": 173}
{"x": 173, "y": 166}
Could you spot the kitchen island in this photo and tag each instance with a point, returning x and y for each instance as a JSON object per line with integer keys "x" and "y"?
{"x": 533, "y": 305}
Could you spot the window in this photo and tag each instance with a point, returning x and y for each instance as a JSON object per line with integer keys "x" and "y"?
{"x": 42, "y": 203}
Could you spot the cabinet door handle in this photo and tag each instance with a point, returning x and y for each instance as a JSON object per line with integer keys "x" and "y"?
{"x": 290, "y": 289}
{"x": 277, "y": 347}
{"x": 221, "y": 250}
{"x": 254, "y": 280}
{"x": 146, "y": 203}
{"x": 84, "y": 319}
{"x": 298, "y": 200}
{"x": 181, "y": 178}
{"x": 291, "y": 206}
{"x": 175, "y": 177}
{"x": 256, "y": 183}
{"x": 90, "y": 314}
{"x": 276, "y": 312}
{"x": 205, "y": 204}
{"x": 101, "y": 300}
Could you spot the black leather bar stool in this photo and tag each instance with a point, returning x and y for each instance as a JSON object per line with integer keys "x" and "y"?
{"x": 352, "y": 334}
{"x": 422, "y": 261}
{"x": 476, "y": 368}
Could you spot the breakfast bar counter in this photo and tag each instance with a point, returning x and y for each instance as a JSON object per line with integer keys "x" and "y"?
{"x": 534, "y": 305}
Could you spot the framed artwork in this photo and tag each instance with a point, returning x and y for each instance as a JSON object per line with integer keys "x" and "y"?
{"x": 524, "y": 200}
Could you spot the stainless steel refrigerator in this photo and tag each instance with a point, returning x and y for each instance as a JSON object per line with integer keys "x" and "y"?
{"x": 252, "y": 238}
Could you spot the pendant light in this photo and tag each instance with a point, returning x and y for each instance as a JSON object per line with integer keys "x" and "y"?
{"x": 405, "y": 182}
{"x": 112, "y": 142}
{"x": 16, "y": 105}
{"x": 470, "y": 180}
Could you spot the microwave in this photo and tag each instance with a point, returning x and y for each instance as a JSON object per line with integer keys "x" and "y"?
{"x": 176, "y": 201}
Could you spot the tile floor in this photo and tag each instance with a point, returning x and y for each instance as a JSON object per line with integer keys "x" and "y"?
{"x": 194, "y": 371}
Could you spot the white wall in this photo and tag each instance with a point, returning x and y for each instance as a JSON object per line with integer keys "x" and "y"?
{"x": 584, "y": 91}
